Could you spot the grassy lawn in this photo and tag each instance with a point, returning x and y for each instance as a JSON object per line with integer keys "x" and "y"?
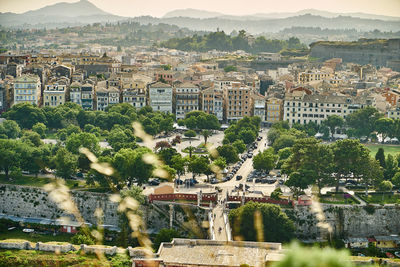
{"x": 389, "y": 149}
{"x": 39, "y": 182}
{"x": 40, "y": 258}
{"x": 35, "y": 237}
{"x": 379, "y": 198}
{"x": 337, "y": 199}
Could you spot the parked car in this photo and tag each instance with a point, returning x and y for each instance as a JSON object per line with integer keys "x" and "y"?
{"x": 27, "y": 230}
{"x": 264, "y": 180}
{"x": 154, "y": 182}
{"x": 258, "y": 180}
{"x": 239, "y": 177}
{"x": 397, "y": 253}
{"x": 178, "y": 181}
{"x": 249, "y": 179}
{"x": 214, "y": 181}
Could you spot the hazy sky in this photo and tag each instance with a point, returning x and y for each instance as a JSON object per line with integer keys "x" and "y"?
{"x": 235, "y": 7}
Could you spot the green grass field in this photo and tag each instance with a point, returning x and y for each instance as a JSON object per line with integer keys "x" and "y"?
{"x": 389, "y": 149}
{"x": 35, "y": 237}
{"x": 39, "y": 182}
{"x": 336, "y": 199}
{"x": 381, "y": 198}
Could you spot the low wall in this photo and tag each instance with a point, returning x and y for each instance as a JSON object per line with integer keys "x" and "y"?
{"x": 33, "y": 202}
{"x": 59, "y": 248}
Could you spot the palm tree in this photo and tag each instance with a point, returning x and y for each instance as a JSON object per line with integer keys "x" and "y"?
{"x": 205, "y": 134}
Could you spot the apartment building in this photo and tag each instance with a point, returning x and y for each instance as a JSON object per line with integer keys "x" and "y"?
{"x": 54, "y": 94}
{"x": 302, "y": 108}
{"x": 186, "y": 99}
{"x": 101, "y": 98}
{"x": 225, "y": 82}
{"x": 212, "y": 102}
{"x": 394, "y": 113}
{"x": 238, "y": 102}
{"x": 75, "y": 93}
{"x": 113, "y": 95}
{"x": 274, "y": 110}
{"x": 87, "y": 96}
{"x": 259, "y": 106}
{"x": 312, "y": 76}
{"x": 392, "y": 97}
{"x": 160, "y": 97}
{"x": 27, "y": 89}
{"x": 134, "y": 96}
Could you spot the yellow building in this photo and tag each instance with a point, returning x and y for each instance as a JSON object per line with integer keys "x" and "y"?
{"x": 27, "y": 89}
{"x": 387, "y": 242}
{"x": 274, "y": 110}
{"x": 312, "y": 76}
{"x": 54, "y": 93}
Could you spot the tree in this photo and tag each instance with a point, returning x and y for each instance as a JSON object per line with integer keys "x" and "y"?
{"x": 220, "y": 163}
{"x": 190, "y": 133}
{"x": 396, "y": 179}
{"x": 384, "y": 126}
{"x": 167, "y": 125}
{"x": 178, "y": 163}
{"x": 348, "y": 154}
{"x": 276, "y": 194}
{"x": 78, "y": 140}
{"x": 239, "y": 145}
{"x": 198, "y": 165}
{"x": 309, "y": 156}
{"x": 390, "y": 167}
{"x": 162, "y": 145}
{"x": 10, "y": 129}
{"x": 40, "y": 128}
{"x": 32, "y": 138}
{"x": 265, "y": 160}
{"x": 130, "y": 165}
{"x": 229, "y": 153}
{"x": 167, "y": 155}
{"x": 205, "y": 134}
{"x": 284, "y": 140}
{"x": 82, "y": 238}
{"x": 9, "y": 156}
{"x": 299, "y": 180}
{"x": 230, "y": 68}
{"x": 165, "y": 235}
{"x": 26, "y": 115}
{"x": 380, "y": 156}
{"x": 385, "y": 186}
{"x": 273, "y": 223}
{"x": 371, "y": 172}
{"x": 363, "y": 121}
{"x": 65, "y": 162}
{"x": 333, "y": 122}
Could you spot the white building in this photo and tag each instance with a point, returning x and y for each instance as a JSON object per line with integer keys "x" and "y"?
{"x": 54, "y": 94}
{"x": 75, "y": 93}
{"x": 186, "y": 99}
{"x": 160, "y": 97}
{"x": 134, "y": 96}
{"x": 27, "y": 89}
{"x": 302, "y": 108}
{"x": 259, "y": 106}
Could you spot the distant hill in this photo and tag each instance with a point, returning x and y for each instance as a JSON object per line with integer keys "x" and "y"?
{"x": 203, "y": 14}
{"x": 192, "y": 13}
{"x": 275, "y": 25}
{"x": 60, "y": 14}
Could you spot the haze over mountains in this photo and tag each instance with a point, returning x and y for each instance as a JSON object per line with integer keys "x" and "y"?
{"x": 84, "y": 12}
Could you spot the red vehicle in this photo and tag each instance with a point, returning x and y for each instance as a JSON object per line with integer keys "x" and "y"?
{"x": 389, "y": 255}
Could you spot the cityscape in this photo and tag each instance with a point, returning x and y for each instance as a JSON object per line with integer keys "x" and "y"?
{"x": 199, "y": 134}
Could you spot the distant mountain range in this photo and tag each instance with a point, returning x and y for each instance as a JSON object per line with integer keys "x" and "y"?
{"x": 84, "y": 12}
{"x": 77, "y": 13}
{"x": 203, "y": 14}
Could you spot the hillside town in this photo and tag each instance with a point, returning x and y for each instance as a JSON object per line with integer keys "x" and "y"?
{"x": 131, "y": 144}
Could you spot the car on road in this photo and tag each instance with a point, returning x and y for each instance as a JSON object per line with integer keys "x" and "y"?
{"x": 250, "y": 155}
{"x": 259, "y": 138}
{"x": 239, "y": 177}
{"x": 154, "y": 182}
{"x": 214, "y": 181}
